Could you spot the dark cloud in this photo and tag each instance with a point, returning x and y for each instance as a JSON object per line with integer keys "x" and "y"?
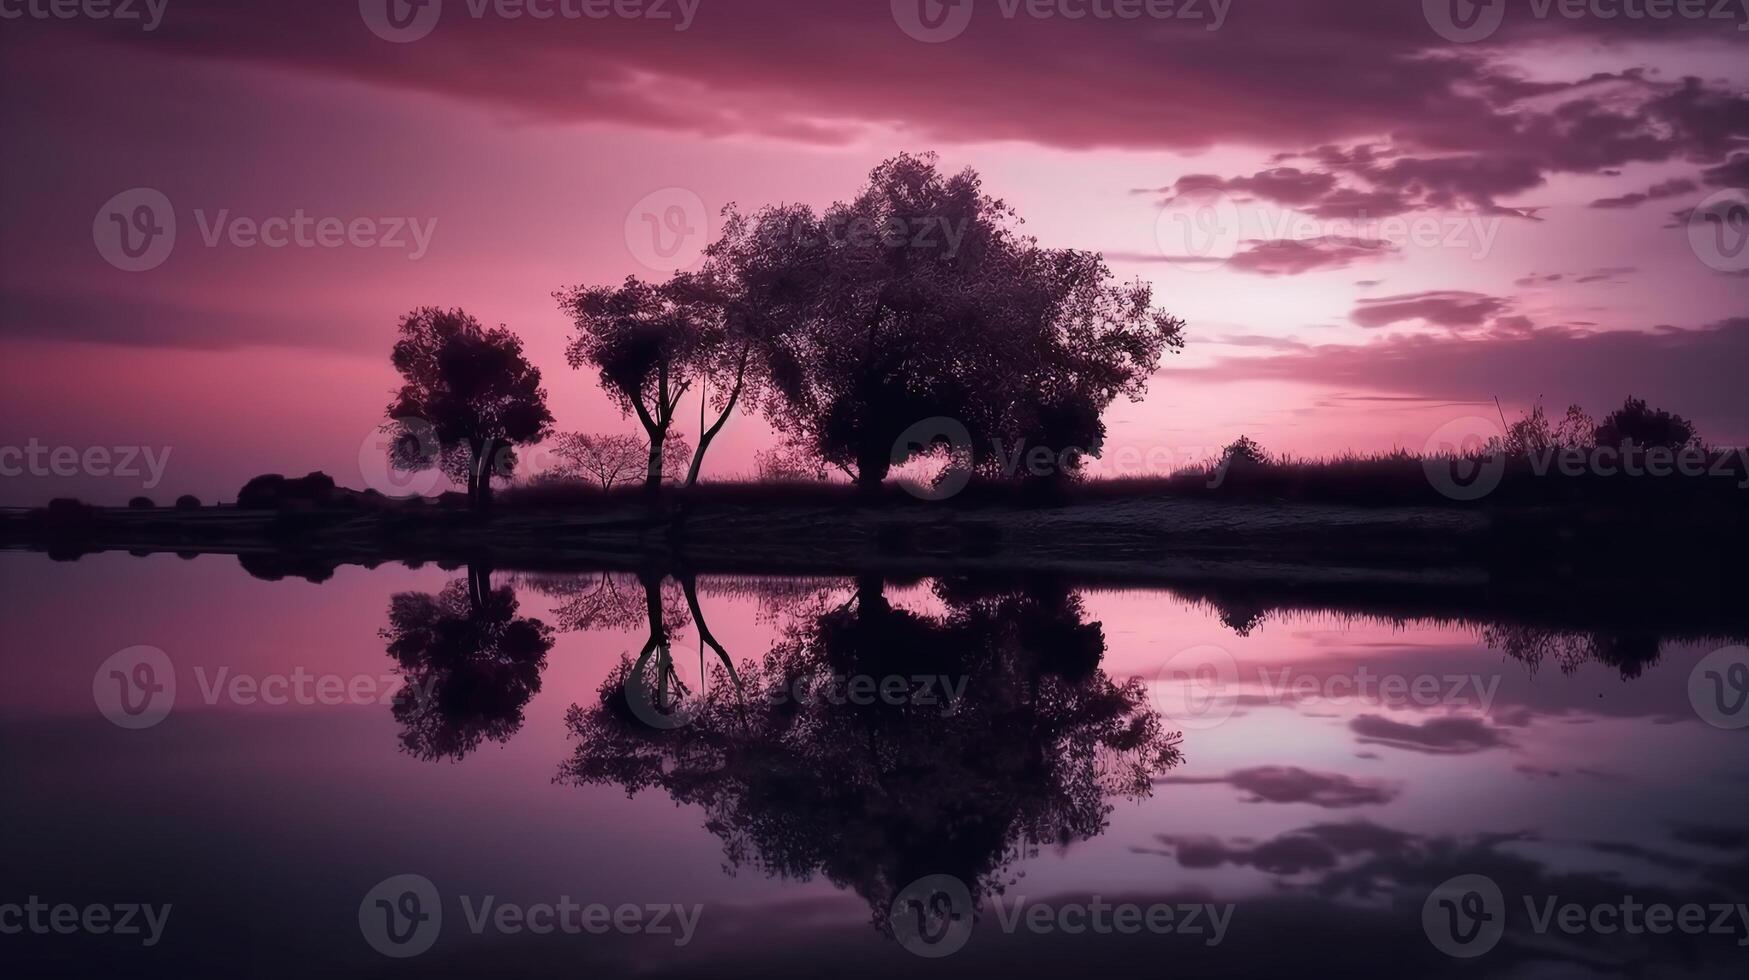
{"x": 1456, "y": 735}
{"x": 1284, "y": 256}
{"x": 1453, "y": 309}
{"x": 1291, "y": 784}
{"x": 1291, "y": 257}
{"x": 822, "y": 72}
{"x": 1675, "y": 187}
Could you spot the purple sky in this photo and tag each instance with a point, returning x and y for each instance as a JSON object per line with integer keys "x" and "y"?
{"x": 1371, "y": 229}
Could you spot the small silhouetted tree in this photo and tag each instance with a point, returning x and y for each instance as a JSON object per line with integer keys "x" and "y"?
{"x": 1635, "y": 425}
{"x": 477, "y": 392}
{"x": 607, "y": 459}
{"x": 1244, "y": 451}
{"x": 643, "y": 343}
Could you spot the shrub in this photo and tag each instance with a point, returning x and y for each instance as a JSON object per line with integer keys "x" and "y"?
{"x": 141, "y": 503}
{"x": 188, "y": 501}
{"x": 1635, "y": 424}
{"x": 1244, "y": 451}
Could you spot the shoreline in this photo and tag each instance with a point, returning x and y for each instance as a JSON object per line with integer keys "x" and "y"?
{"x": 1542, "y": 567}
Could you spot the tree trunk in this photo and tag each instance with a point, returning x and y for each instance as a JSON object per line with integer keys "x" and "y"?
{"x": 479, "y": 586}
{"x": 872, "y": 467}
{"x": 653, "y": 470}
{"x": 705, "y": 437}
{"x": 480, "y": 489}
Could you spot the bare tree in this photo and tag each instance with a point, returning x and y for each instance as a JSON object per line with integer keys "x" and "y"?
{"x": 607, "y": 459}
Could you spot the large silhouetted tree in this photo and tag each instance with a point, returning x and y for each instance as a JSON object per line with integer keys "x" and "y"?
{"x": 468, "y": 396}
{"x": 918, "y": 299}
{"x": 644, "y": 344}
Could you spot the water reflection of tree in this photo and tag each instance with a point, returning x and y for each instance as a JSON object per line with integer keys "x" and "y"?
{"x": 875, "y": 795}
{"x": 469, "y": 665}
{"x": 1628, "y": 652}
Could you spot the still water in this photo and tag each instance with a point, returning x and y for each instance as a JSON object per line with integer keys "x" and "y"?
{"x": 419, "y": 771}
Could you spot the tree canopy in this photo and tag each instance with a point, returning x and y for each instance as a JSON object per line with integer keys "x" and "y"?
{"x": 468, "y": 396}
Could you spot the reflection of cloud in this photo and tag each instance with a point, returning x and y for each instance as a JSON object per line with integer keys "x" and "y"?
{"x": 1320, "y": 847}
{"x": 1713, "y": 836}
{"x": 1291, "y": 784}
{"x": 1367, "y": 862}
{"x": 1286, "y": 256}
{"x": 1455, "y": 735}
